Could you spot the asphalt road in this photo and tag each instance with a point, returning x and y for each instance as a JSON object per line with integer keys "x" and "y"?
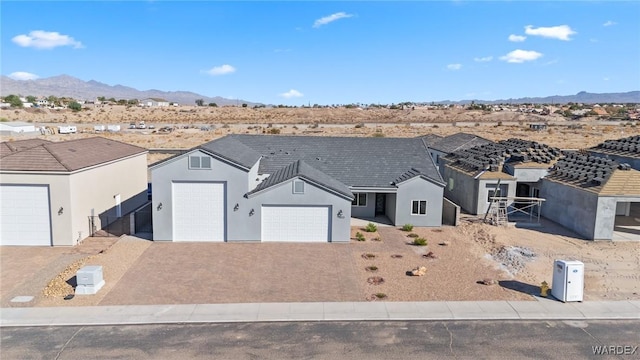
{"x": 328, "y": 340}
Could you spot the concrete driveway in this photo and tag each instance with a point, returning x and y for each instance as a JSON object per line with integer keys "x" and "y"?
{"x": 169, "y": 273}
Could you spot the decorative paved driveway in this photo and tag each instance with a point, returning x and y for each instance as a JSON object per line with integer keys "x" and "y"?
{"x": 169, "y": 273}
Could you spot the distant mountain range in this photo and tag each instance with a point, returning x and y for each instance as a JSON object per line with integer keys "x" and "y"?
{"x": 581, "y": 97}
{"x": 69, "y": 86}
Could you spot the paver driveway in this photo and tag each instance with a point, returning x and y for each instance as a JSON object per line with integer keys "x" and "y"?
{"x": 169, "y": 273}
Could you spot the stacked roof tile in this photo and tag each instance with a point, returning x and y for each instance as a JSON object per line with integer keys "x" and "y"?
{"x": 585, "y": 171}
{"x": 628, "y": 147}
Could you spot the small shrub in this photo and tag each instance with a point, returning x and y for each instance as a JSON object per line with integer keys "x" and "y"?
{"x": 274, "y": 131}
{"x": 420, "y": 242}
{"x": 407, "y": 227}
{"x": 368, "y": 256}
{"x": 359, "y": 125}
{"x": 359, "y": 236}
{"x": 381, "y": 295}
{"x": 372, "y": 268}
{"x": 371, "y": 227}
{"x": 378, "y": 135}
{"x": 413, "y": 235}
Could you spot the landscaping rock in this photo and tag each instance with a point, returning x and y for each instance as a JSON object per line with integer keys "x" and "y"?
{"x": 419, "y": 271}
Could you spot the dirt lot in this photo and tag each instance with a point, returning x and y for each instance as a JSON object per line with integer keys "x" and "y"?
{"x": 456, "y": 259}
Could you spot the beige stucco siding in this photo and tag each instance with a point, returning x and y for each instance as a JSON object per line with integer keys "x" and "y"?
{"x": 94, "y": 190}
{"x": 59, "y": 197}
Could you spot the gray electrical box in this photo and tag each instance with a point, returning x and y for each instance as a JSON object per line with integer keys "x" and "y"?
{"x": 89, "y": 280}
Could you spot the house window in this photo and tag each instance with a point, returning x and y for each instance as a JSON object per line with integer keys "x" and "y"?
{"x": 535, "y": 193}
{"x": 298, "y": 187}
{"x": 450, "y": 184}
{"x": 491, "y": 191}
{"x": 360, "y": 199}
{"x": 199, "y": 162}
{"x": 419, "y": 207}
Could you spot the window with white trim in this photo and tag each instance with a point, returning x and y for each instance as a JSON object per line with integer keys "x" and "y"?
{"x": 298, "y": 187}
{"x": 359, "y": 199}
{"x": 419, "y": 207}
{"x": 199, "y": 162}
{"x": 491, "y": 191}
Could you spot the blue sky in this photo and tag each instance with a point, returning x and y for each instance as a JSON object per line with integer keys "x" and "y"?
{"x": 331, "y": 52}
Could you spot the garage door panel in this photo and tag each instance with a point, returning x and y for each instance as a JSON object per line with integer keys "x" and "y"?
{"x": 198, "y": 211}
{"x": 295, "y": 223}
{"x": 24, "y": 215}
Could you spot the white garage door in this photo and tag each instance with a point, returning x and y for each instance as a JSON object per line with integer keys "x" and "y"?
{"x": 198, "y": 212}
{"x": 295, "y": 223}
{"x": 24, "y": 215}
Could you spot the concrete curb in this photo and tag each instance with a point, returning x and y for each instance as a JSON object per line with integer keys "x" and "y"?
{"x": 543, "y": 309}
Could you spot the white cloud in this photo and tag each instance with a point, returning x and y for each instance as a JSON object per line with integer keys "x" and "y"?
{"x": 21, "y": 75}
{"x": 520, "y": 56}
{"x": 605, "y": 78}
{"x": 45, "y": 40}
{"x": 560, "y": 32}
{"x": 331, "y": 18}
{"x": 454, "y": 66}
{"x": 221, "y": 70}
{"x": 483, "y": 59}
{"x": 517, "y": 38}
{"x": 610, "y": 23}
{"x": 291, "y": 94}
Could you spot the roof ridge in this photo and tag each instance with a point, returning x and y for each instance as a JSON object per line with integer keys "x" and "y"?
{"x": 54, "y": 156}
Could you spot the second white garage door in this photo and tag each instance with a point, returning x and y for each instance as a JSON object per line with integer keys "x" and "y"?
{"x": 198, "y": 211}
{"x": 295, "y": 223}
{"x": 24, "y": 215}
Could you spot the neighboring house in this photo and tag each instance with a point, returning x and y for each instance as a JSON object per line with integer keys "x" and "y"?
{"x": 292, "y": 188}
{"x": 58, "y": 193}
{"x": 626, "y": 150}
{"x": 153, "y": 102}
{"x": 513, "y": 166}
{"x": 17, "y": 127}
{"x": 440, "y": 147}
{"x": 592, "y": 196}
{"x": 42, "y": 103}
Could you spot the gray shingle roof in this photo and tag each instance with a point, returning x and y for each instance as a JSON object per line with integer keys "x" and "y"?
{"x": 357, "y": 162}
{"x": 301, "y": 169}
{"x": 68, "y": 156}
{"x": 626, "y": 147}
{"x": 430, "y": 139}
{"x": 410, "y": 174}
{"x": 456, "y": 142}
{"x": 9, "y": 147}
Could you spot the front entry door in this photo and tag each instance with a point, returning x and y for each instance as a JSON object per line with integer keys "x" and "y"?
{"x": 380, "y": 204}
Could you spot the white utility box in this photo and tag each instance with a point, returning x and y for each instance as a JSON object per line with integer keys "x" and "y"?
{"x": 89, "y": 280}
{"x": 568, "y": 280}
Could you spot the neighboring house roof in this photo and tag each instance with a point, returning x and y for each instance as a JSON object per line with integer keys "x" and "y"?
{"x": 9, "y": 147}
{"x": 455, "y": 142}
{"x": 357, "y": 162}
{"x": 626, "y": 147}
{"x": 301, "y": 169}
{"x": 155, "y": 99}
{"x": 430, "y": 139}
{"x": 492, "y": 156}
{"x": 68, "y": 156}
{"x": 596, "y": 174}
{"x": 17, "y": 123}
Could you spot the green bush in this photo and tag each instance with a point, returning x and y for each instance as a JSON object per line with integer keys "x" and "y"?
{"x": 407, "y": 227}
{"x": 381, "y": 295}
{"x": 371, "y": 227}
{"x": 359, "y": 236}
{"x": 378, "y": 134}
{"x": 420, "y": 242}
{"x": 274, "y": 131}
{"x": 413, "y": 235}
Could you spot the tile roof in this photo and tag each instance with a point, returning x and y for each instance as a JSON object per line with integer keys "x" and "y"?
{"x": 627, "y": 147}
{"x": 66, "y": 156}
{"x": 596, "y": 174}
{"x": 455, "y": 142}
{"x": 301, "y": 169}
{"x": 9, "y": 147}
{"x": 492, "y": 156}
{"x": 361, "y": 162}
{"x": 430, "y": 139}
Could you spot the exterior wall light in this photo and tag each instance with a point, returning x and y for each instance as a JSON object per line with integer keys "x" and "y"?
{"x": 159, "y": 206}
{"x": 235, "y": 208}
{"x": 340, "y": 215}
{"x": 60, "y": 211}
{"x": 251, "y": 212}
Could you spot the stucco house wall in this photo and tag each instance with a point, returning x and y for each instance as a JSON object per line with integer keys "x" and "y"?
{"x": 419, "y": 188}
{"x": 570, "y": 207}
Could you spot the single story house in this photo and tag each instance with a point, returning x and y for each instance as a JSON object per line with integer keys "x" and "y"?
{"x": 17, "y": 127}
{"x": 624, "y": 151}
{"x": 509, "y": 168}
{"x": 58, "y": 193}
{"x": 593, "y": 196}
{"x": 292, "y": 188}
{"x": 440, "y": 147}
{"x": 154, "y": 102}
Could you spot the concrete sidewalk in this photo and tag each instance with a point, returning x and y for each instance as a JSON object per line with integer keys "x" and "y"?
{"x": 328, "y": 311}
